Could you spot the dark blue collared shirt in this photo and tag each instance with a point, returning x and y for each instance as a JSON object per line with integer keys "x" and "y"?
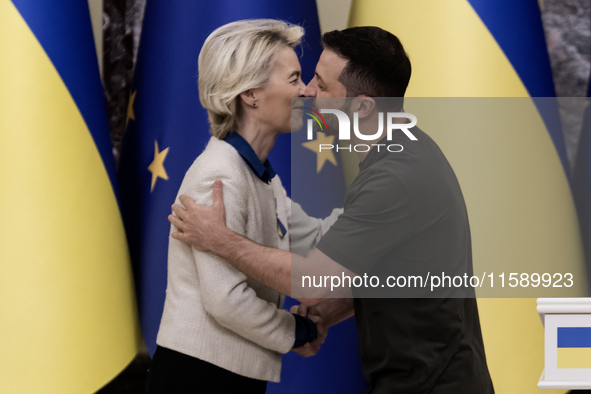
{"x": 263, "y": 170}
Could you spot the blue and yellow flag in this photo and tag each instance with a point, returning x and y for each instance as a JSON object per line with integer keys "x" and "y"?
{"x": 168, "y": 129}
{"x": 582, "y": 181}
{"x": 574, "y": 347}
{"x": 515, "y": 184}
{"x": 68, "y": 316}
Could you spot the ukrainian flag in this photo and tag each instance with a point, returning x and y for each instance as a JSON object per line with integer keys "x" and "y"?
{"x": 515, "y": 184}
{"x": 67, "y": 305}
{"x": 574, "y": 347}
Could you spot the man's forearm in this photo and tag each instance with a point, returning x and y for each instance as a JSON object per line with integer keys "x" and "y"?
{"x": 271, "y": 267}
{"x": 204, "y": 228}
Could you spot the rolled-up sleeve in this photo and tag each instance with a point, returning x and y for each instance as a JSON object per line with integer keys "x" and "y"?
{"x": 306, "y": 231}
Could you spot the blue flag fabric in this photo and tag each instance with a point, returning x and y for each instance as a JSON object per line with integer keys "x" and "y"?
{"x": 168, "y": 129}
{"x": 582, "y": 182}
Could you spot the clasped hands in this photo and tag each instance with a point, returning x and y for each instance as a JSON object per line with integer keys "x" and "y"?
{"x": 312, "y": 313}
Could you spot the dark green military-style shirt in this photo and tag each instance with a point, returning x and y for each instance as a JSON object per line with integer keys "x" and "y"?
{"x": 404, "y": 215}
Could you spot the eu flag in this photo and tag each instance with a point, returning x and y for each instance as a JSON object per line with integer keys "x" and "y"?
{"x": 68, "y": 316}
{"x": 168, "y": 129}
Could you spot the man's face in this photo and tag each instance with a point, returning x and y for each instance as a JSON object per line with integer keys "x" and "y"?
{"x": 325, "y": 86}
{"x": 326, "y": 77}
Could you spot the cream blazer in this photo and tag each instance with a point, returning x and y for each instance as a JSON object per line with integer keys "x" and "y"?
{"x": 213, "y": 311}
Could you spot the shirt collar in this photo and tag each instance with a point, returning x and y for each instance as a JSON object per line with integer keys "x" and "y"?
{"x": 263, "y": 170}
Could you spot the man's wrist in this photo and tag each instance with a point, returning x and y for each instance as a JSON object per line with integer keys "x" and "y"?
{"x": 334, "y": 310}
{"x": 222, "y": 241}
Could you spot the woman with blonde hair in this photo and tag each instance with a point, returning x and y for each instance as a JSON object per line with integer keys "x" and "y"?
{"x": 220, "y": 330}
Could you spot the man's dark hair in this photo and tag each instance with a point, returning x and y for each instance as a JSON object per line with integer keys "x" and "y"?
{"x": 377, "y": 64}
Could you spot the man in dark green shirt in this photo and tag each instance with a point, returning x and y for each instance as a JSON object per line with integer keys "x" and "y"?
{"x": 404, "y": 215}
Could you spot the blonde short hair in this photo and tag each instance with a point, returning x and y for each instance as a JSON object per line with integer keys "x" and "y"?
{"x": 234, "y": 58}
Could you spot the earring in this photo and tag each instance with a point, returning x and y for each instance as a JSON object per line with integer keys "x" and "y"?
{"x": 254, "y": 104}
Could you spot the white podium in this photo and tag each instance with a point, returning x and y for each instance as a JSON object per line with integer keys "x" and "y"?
{"x": 567, "y": 343}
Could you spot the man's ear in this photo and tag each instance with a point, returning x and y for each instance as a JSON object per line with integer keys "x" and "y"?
{"x": 248, "y": 97}
{"x": 363, "y": 105}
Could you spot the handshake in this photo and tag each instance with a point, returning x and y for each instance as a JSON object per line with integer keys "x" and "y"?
{"x": 325, "y": 314}
{"x": 312, "y": 313}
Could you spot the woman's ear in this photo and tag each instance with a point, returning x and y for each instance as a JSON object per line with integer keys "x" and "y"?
{"x": 363, "y": 105}
{"x": 249, "y": 98}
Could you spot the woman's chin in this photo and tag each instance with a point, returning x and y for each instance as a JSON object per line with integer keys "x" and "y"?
{"x": 297, "y": 120}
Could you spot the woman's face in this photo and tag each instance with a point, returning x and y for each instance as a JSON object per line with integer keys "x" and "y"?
{"x": 274, "y": 100}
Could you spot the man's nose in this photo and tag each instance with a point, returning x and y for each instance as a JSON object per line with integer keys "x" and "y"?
{"x": 310, "y": 90}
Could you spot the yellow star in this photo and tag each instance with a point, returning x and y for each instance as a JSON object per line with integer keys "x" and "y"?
{"x": 130, "y": 113}
{"x": 156, "y": 167}
{"x": 325, "y": 154}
